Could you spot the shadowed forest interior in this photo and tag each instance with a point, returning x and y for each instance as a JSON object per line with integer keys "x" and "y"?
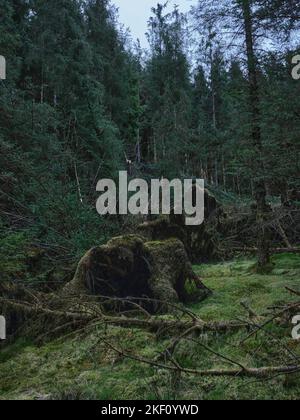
{"x": 145, "y": 307}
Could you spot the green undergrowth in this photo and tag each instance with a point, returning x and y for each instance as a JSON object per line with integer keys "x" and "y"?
{"x": 82, "y": 366}
{"x": 237, "y": 282}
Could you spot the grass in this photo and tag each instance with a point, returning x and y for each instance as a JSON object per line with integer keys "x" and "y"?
{"x": 236, "y": 281}
{"x": 82, "y": 367}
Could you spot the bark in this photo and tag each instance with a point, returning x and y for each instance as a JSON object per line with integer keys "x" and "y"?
{"x": 259, "y": 185}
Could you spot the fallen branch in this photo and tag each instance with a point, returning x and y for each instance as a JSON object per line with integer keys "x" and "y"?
{"x": 37, "y": 309}
{"x": 251, "y": 312}
{"x": 273, "y": 336}
{"x": 272, "y": 250}
{"x": 261, "y": 373}
{"x": 153, "y": 324}
{"x": 294, "y": 292}
{"x": 279, "y": 314}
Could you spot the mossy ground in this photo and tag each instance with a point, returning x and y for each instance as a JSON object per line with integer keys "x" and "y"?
{"x": 81, "y": 366}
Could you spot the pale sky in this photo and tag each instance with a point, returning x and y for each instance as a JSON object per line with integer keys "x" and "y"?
{"x": 134, "y": 14}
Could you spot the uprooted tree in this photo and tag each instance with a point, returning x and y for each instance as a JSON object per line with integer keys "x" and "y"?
{"x": 131, "y": 266}
{"x": 199, "y": 241}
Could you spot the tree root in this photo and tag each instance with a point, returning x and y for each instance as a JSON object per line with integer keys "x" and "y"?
{"x": 132, "y": 266}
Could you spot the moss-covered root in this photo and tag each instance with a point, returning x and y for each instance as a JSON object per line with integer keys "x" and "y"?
{"x": 131, "y": 266}
{"x": 171, "y": 269}
{"x": 105, "y": 264}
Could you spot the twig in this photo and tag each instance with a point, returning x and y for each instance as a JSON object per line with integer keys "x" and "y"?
{"x": 294, "y": 292}
{"x": 247, "y": 307}
{"x": 78, "y": 183}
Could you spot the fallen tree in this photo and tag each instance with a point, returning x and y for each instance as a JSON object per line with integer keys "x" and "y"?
{"x": 291, "y": 250}
{"x": 126, "y": 268}
{"x": 199, "y": 241}
{"x": 70, "y": 315}
{"x": 89, "y": 313}
{"x": 131, "y": 264}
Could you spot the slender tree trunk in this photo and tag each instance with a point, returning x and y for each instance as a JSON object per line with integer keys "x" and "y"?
{"x": 238, "y": 184}
{"x": 217, "y": 172}
{"x": 214, "y": 112}
{"x": 138, "y": 133}
{"x": 138, "y": 148}
{"x": 42, "y": 88}
{"x": 259, "y": 185}
{"x": 154, "y": 149}
{"x": 224, "y": 173}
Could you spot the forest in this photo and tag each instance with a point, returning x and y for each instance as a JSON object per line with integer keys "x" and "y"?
{"x": 144, "y": 307}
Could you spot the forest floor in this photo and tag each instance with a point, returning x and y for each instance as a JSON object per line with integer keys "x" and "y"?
{"x": 82, "y": 367}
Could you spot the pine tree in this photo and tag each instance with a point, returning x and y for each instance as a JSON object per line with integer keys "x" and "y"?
{"x": 251, "y": 19}
{"x": 115, "y": 68}
{"x": 168, "y": 94}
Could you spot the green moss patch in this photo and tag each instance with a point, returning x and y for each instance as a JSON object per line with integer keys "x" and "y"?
{"x": 82, "y": 367}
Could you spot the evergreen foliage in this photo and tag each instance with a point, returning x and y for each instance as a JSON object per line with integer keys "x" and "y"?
{"x": 80, "y": 103}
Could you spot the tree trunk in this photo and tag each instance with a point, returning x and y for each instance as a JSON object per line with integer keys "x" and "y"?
{"x": 259, "y": 185}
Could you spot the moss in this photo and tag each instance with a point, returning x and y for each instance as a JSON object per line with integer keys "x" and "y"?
{"x": 265, "y": 269}
{"x": 79, "y": 368}
{"x": 168, "y": 243}
{"x": 131, "y": 266}
{"x": 167, "y": 259}
{"x": 286, "y": 261}
{"x": 199, "y": 241}
{"x": 233, "y": 282}
{"x": 130, "y": 241}
{"x": 83, "y": 368}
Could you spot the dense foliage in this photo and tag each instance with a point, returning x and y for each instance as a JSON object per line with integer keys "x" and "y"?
{"x": 81, "y": 102}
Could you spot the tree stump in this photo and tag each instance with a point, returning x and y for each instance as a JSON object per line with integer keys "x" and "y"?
{"x": 131, "y": 266}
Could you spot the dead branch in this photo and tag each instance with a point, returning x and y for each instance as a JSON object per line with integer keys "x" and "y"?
{"x": 294, "y": 292}
{"x": 284, "y": 235}
{"x": 277, "y": 315}
{"x": 167, "y": 354}
{"x": 273, "y": 336}
{"x": 273, "y": 250}
{"x": 38, "y": 309}
{"x": 78, "y": 183}
{"x": 153, "y": 324}
{"x": 261, "y": 373}
{"x": 251, "y": 312}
